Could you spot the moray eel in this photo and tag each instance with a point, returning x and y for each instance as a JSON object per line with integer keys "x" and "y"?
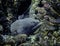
{"x": 24, "y": 26}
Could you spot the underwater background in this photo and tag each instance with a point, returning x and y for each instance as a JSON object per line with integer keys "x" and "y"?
{"x": 29, "y": 22}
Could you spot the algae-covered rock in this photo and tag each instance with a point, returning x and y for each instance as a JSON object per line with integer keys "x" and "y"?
{"x": 8, "y": 39}
{"x": 43, "y": 23}
{"x": 20, "y": 37}
{"x": 25, "y": 44}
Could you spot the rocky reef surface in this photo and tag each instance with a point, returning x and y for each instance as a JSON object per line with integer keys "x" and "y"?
{"x": 35, "y": 23}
